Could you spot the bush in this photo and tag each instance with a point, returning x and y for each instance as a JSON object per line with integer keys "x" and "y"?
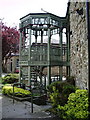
{"x": 59, "y": 91}
{"x": 71, "y": 80}
{"x": 10, "y": 78}
{"x": 76, "y": 107}
{"x": 0, "y": 80}
{"x": 8, "y": 90}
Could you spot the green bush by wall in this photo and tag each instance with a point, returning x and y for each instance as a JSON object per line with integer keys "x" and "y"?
{"x": 68, "y": 102}
{"x": 76, "y": 107}
{"x": 59, "y": 91}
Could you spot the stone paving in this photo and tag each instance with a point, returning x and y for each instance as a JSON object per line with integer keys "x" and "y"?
{"x": 22, "y": 110}
{"x": 0, "y": 107}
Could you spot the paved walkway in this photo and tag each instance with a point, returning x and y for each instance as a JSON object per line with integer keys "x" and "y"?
{"x": 0, "y": 107}
{"x": 22, "y": 110}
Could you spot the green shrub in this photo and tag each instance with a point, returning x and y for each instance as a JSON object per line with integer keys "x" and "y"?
{"x": 76, "y": 107}
{"x": 71, "y": 80}
{"x": 10, "y": 78}
{"x": 59, "y": 91}
{"x": 55, "y": 97}
{"x": 0, "y": 80}
{"x": 8, "y": 90}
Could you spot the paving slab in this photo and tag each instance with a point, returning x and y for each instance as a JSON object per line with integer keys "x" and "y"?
{"x": 0, "y": 107}
{"x": 22, "y": 110}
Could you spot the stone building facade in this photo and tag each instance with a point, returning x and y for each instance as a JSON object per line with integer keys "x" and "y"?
{"x": 78, "y": 43}
{"x": 13, "y": 64}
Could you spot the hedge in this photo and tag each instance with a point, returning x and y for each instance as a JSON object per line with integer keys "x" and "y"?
{"x": 59, "y": 91}
{"x": 8, "y": 90}
{"x": 76, "y": 107}
{"x": 10, "y": 78}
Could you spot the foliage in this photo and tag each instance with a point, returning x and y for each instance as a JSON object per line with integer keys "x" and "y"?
{"x": 0, "y": 80}
{"x": 59, "y": 91}
{"x": 76, "y": 107}
{"x": 0, "y": 84}
{"x": 10, "y": 40}
{"x": 10, "y": 43}
{"x": 8, "y": 90}
{"x": 70, "y": 79}
{"x": 10, "y": 78}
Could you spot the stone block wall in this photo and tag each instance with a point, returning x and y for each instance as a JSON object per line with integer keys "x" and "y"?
{"x": 79, "y": 43}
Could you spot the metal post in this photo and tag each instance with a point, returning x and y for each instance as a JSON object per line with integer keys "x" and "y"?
{"x": 36, "y": 36}
{"x": 20, "y": 48}
{"x": 40, "y": 76}
{"x": 41, "y": 36}
{"x": 45, "y": 81}
{"x": 68, "y": 50}
{"x": 61, "y": 53}
{"x": 31, "y": 100}
{"x": 29, "y": 59}
{"x": 60, "y": 70}
{"x": 29, "y": 76}
{"x": 48, "y": 57}
{"x": 49, "y": 75}
{"x": 29, "y": 69}
{"x": 13, "y": 94}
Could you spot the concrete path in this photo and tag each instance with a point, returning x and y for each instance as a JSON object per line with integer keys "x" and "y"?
{"x": 0, "y": 107}
{"x": 22, "y": 110}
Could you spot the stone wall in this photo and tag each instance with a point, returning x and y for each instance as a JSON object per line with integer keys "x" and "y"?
{"x": 79, "y": 43}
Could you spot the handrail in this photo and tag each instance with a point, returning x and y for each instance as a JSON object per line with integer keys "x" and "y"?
{"x": 22, "y": 85}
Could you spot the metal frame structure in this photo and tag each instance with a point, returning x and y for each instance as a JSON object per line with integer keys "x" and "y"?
{"x": 34, "y": 55}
